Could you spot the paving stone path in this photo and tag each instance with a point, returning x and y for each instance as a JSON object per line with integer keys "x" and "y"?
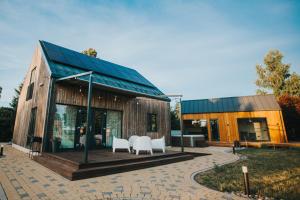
{"x": 23, "y": 178}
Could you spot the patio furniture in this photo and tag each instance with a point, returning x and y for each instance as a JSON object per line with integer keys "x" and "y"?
{"x": 159, "y": 144}
{"x": 35, "y": 146}
{"x": 132, "y": 139}
{"x": 120, "y": 144}
{"x": 142, "y": 144}
{"x": 82, "y": 140}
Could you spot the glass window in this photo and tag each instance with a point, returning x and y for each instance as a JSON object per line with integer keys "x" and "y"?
{"x": 31, "y": 128}
{"x": 191, "y": 128}
{"x": 152, "y": 122}
{"x": 64, "y": 127}
{"x": 113, "y": 126}
{"x": 253, "y": 129}
{"x": 214, "y": 128}
{"x": 31, "y": 85}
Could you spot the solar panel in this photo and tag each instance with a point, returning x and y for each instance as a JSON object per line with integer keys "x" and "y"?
{"x": 76, "y": 59}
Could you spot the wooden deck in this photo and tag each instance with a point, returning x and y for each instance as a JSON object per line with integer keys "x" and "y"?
{"x": 104, "y": 162}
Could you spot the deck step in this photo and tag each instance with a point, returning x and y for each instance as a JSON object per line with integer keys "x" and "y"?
{"x": 72, "y": 171}
{"x": 125, "y": 167}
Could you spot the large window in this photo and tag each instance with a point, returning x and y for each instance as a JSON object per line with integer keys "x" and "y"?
{"x": 191, "y": 128}
{"x": 70, "y": 125}
{"x": 64, "y": 127}
{"x": 31, "y": 84}
{"x": 151, "y": 122}
{"x": 214, "y": 129}
{"x": 253, "y": 129}
{"x": 31, "y": 128}
{"x": 113, "y": 126}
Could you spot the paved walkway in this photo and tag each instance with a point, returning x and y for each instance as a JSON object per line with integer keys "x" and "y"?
{"x": 23, "y": 178}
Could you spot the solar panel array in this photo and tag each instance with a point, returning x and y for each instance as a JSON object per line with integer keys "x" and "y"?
{"x": 231, "y": 104}
{"x": 69, "y": 57}
{"x": 61, "y": 70}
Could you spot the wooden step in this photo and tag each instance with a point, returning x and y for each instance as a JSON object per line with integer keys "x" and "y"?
{"x": 119, "y": 168}
{"x": 57, "y": 166}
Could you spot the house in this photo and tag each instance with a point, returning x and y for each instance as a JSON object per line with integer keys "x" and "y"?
{"x": 250, "y": 119}
{"x": 65, "y": 91}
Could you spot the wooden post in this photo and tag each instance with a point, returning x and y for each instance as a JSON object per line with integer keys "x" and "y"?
{"x": 246, "y": 180}
{"x": 88, "y": 120}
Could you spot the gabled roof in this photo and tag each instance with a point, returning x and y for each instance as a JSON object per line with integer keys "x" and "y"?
{"x": 65, "y": 62}
{"x": 231, "y": 104}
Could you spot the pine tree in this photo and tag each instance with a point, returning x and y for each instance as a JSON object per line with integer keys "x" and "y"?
{"x": 275, "y": 76}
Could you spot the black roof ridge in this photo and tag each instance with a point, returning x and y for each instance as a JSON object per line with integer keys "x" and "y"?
{"x": 229, "y": 97}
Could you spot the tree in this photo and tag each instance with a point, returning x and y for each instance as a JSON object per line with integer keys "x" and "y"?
{"x": 175, "y": 118}
{"x": 0, "y": 91}
{"x": 290, "y": 107}
{"x": 6, "y": 124}
{"x": 275, "y": 76}
{"x": 90, "y": 52}
{"x": 15, "y": 100}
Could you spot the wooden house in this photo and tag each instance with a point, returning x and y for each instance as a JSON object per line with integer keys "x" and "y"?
{"x": 64, "y": 92}
{"x": 248, "y": 119}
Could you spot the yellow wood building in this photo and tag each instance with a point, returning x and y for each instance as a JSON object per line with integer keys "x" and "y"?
{"x": 248, "y": 119}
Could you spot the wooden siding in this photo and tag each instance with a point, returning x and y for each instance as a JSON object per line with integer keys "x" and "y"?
{"x": 134, "y": 110}
{"x": 39, "y": 100}
{"x": 228, "y": 127}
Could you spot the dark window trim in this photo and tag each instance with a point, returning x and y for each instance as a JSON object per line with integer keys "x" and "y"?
{"x": 149, "y": 122}
{"x": 30, "y": 87}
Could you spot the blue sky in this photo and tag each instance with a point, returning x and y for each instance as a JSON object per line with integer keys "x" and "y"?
{"x": 201, "y": 49}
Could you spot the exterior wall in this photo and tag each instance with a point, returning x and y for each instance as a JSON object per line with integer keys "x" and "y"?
{"x": 228, "y": 127}
{"x": 39, "y": 100}
{"x": 134, "y": 110}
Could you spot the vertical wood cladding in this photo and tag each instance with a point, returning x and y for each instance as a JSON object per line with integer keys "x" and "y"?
{"x": 228, "y": 126}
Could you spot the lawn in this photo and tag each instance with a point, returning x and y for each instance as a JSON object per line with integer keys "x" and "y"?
{"x": 273, "y": 173}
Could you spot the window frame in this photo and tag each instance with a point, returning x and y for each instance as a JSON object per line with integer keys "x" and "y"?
{"x": 30, "y": 87}
{"x": 150, "y": 122}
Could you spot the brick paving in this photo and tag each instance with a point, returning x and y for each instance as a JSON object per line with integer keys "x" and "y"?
{"x": 22, "y": 178}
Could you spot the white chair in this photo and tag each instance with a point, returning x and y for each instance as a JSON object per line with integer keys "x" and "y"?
{"x": 142, "y": 144}
{"x": 159, "y": 144}
{"x": 120, "y": 144}
{"x": 132, "y": 139}
{"x": 82, "y": 140}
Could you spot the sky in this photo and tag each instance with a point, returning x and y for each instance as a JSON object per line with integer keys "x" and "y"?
{"x": 200, "y": 49}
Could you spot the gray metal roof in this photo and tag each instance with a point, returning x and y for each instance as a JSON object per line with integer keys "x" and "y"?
{"x": 231, "y": 104}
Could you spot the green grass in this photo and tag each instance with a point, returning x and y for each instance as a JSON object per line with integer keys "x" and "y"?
{"x": 273, "y": 173}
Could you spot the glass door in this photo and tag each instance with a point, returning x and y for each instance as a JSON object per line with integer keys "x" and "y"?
{"x": 64, "y": 127}
{"x": 214, "y": 129}
{"x": 99, "y": 129}
{"x": 113, "y": 126}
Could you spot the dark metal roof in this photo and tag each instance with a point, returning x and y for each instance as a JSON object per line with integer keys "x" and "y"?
{"x": 231, "y": 104}
{"x": 65, "y": 62}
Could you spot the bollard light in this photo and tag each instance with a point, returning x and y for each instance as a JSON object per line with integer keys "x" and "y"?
{"x": 1, "y": 150}
{"x": 246, "y": 180}
{"x": 233, "y": 149}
